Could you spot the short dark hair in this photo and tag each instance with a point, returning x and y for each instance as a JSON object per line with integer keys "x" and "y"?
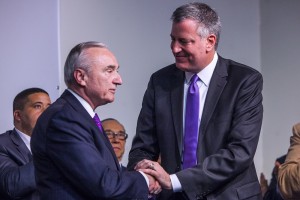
{"x": 21, "y": 98}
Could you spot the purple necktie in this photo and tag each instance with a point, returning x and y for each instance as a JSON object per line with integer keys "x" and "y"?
{"x": 97, "y": 121}
{"x": 191, "y": 124}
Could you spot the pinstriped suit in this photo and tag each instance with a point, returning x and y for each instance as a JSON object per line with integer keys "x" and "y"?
{"x": 17, "y": 180}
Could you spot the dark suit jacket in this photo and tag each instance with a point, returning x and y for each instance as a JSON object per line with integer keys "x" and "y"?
{"x": 228, "y": 133}
{"x": 17, "y": 180}
{"x": 74, "y": 160}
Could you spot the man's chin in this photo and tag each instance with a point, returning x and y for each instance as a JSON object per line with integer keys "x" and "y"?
{"x": 187, "y": 68}
{"x": 110, "y": 100}
{"x": 182, "y": 66}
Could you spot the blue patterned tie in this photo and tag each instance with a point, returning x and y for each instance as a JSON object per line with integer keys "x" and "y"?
{"x": 97, "y": 121}
{"x": 191, "y": 124}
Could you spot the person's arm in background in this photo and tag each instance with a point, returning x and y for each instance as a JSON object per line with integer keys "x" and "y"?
{"x": 263, "y": 184}
{"x": 289, "y": 171}
{"x": 272, "y": 192}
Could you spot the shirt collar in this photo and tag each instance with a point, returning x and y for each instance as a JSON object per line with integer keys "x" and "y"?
{"x": 84, "y": 103}
{"x": 24, "y": 137}
{"x": 206, "y": 73}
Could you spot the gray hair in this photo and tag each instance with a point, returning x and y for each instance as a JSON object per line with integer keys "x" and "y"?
{"x": 78, "y": 58}
{"x": 208, "y": 19}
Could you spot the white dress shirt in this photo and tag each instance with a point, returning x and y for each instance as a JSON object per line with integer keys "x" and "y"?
{"x": 203, "y": 84}
{"x": 25, "y": 138}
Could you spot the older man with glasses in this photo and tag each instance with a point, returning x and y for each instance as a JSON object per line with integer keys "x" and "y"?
{"x": 117, "y": 136}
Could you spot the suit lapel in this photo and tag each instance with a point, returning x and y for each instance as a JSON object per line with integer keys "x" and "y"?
{"x": 177, "y": 105}
{"x": 85, "y": 115}
{"x": 216, "y": 86}
{"x": 24, "y": 152}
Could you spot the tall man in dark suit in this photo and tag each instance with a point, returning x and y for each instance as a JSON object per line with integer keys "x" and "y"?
{"x": 73, "y": 157}
{"x": 228, "y": 111}
{"x": 17, "y": 180}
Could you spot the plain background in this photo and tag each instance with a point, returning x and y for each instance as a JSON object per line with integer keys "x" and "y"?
{"x": 37, "y": 35}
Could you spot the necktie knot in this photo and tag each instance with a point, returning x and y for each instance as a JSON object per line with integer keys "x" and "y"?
{"x": 193, "y": 88}
{"x": 97, "y": 121}
{"x": 194, "y": 79}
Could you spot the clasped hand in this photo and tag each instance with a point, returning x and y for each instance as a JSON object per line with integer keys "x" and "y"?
{"x": 158, "y": 177}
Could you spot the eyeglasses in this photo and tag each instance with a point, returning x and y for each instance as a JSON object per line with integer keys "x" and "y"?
{"x": 119, "y": 135}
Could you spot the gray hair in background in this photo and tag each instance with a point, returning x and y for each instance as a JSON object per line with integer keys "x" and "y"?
{"x": 77, "y": 58}
{"x": 208, "y": 19}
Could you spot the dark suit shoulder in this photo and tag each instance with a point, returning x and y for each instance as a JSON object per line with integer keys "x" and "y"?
{"x": 167, "y": 71}
{"x": 64, "y": 110}
{"x": 4, "y": 137}
{"x": 13, "y": 148}
{"x": 6, "y": 142}
{"x": 236, "y": 67}
{"x": 64, "y": 105}
{"x": 10, "y": 139}
{"x": 168, "y": 76}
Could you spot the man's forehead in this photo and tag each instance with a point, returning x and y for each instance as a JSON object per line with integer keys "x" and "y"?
{"x": 112, "y": 123}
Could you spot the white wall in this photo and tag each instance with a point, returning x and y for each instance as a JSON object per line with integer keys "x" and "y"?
{"x": 281, "y": 69}
{"x": 138, "y": 32}
{"x": 28, "y": 51}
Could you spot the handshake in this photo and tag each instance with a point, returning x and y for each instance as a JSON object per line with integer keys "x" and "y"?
{"x": 157, "y": 176}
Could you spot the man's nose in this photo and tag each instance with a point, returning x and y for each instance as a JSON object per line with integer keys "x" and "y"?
{"x": 115, "y": 139}
{"x": 118, "y": 80}
{"x": 175, "y": 47}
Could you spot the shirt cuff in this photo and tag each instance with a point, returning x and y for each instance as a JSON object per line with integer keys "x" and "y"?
{"x": 175, "y": 183}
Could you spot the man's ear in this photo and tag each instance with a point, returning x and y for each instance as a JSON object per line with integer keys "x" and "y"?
{"x": 80, "y": 76}
{"x": 211, "y": 42}
{"x": 17, "y": 115}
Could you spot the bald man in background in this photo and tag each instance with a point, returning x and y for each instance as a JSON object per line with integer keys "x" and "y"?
{"x": 117, "y": 136}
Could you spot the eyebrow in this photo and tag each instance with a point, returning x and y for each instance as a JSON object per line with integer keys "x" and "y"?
{"x": 122, "y": 131}
{"x": 112, "y": 67}
{"x": 37, "y": 102}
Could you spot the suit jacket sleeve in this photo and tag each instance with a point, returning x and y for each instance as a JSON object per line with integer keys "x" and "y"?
{"x": 289, "y": 171}
{"x": 15, "y": 181}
